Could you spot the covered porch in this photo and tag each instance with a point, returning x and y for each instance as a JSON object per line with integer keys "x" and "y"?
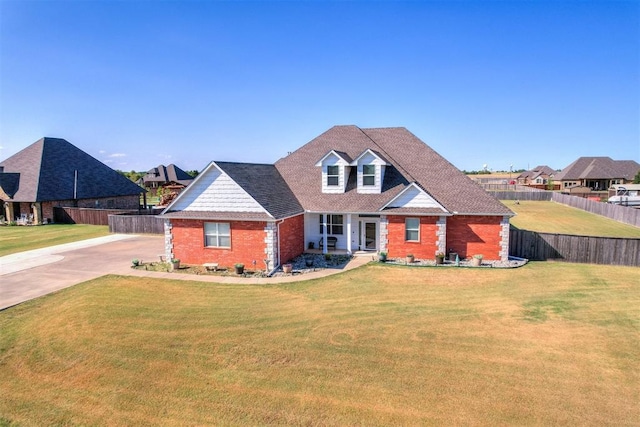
{"x": 339, "y": 233}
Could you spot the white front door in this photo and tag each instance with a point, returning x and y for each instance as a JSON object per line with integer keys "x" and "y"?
{"x": 368, "y": 235}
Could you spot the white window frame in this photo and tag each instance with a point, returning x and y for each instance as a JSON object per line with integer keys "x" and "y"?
{"x": 334, "y": 227}
{"x": 212, "y": 231}
{"x": 335, "y": 176}
{"x": 412, "y": 230}
{"x": 368, "y": 175}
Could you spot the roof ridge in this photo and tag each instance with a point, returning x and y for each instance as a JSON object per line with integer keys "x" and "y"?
{"x": 396, "y": 164}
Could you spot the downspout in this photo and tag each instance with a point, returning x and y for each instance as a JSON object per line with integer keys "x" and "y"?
{"x": 75, "y": 184}
{"x": 278, "y": 243}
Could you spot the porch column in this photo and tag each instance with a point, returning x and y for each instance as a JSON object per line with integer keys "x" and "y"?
{"x": 36, "y": 209}
{"x": 324, "y": 234}
{"x": 349, "y": 234}
{"x": 8, "y": 207}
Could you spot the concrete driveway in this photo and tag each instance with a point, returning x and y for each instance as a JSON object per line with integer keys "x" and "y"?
{"x": 30, "y": 274}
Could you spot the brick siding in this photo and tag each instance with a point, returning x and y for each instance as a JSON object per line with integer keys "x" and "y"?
{"x": 397, "y": 246}
{"x": 291, "y": 238}
{"x": 469, "y": 235}
{"x": 247, "y": 244}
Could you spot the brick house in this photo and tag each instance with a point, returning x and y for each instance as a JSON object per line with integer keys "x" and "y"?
{"x": 52, "y": 172}
{"x": 539, "y": 175}
{"x": 379, "y": 189}
{"x": 596, "y": 174}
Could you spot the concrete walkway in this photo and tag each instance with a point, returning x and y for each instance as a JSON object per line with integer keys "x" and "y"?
{"x": 31, "y": 274}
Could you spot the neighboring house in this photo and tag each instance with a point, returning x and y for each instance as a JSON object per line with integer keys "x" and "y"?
{"x": 166, "y": 175}
{"x": 364, "y": 189}
{"x": 596, "y": 173}
{"x": 537, "y": 176}
{"x": 51, "y": 172}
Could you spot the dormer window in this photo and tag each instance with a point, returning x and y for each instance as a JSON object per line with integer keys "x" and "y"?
{"x": 370, "y": 166}
{"x": 368, "y": 175}
{"x": 335, "y": 172}
{"x": 333, "y": 176}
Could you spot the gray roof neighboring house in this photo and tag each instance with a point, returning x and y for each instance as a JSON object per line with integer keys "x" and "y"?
{"x": 164, "y": 174}
{"x": 599, "y": 168}
{"x": 54, "y": 169}
{"x": 536, "y": 172}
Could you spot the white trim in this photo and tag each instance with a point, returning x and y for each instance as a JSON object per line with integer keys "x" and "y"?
{"x": 193, "y": 187}
{"x": 413, "y": 185}
{"x": 344, "y": 162}
{"x": 373, "y": 153}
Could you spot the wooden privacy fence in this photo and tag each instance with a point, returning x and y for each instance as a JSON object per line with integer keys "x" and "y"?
{"x": 69, "y": 215}
{"x": 136, "y": 224}
{"x": 624, "y": 214}
{"x": 539, "y": 196}
{"x": 585, "y": 249}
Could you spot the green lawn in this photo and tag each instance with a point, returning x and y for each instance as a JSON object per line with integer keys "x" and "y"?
{"x": 545, "y": 344}
{"x": 19, "y": 238}
{"x": 550, "y": 217}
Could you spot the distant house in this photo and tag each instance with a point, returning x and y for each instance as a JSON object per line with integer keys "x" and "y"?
{"x": 349, "y": 189}
{"x": 51, "y": 172}
{"x": 537, "y": 176}
{"x": 596, "y": 174}
{"x": 166, "y": 175}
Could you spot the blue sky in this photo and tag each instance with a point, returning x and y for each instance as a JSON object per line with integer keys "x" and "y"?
{"x": 141, "y": 83}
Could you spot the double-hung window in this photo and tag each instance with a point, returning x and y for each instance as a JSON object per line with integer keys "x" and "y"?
{"x": 368, "y": 175}
{"x": 335, "y": 224}
{"x": 333, "y": 175}
{"x": 412, "y": 229}
{"x": 217, "y": 235}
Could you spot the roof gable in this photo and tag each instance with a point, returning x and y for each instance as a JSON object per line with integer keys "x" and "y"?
{"x": 238, "y": 187}
{"x": 377, "y": 158}
{"x": 340, "y": 159}
{"x": 414, "y": 197}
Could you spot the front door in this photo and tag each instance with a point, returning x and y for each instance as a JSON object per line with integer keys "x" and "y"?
{"x": 370, "y": 236}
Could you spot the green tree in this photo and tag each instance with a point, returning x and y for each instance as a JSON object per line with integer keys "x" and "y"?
{"x": 636, "y": 179}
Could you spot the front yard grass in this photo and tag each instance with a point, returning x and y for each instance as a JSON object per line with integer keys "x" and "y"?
{"x": 550, "y": 217}
{"x": 545, "y": 344}
{"x": 23, "y": 238}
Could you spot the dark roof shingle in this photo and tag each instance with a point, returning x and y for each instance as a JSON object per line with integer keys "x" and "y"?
{"x": 54, "y": 169}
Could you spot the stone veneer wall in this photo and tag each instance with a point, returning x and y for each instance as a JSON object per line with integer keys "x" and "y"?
{"x": 504, "y": 246}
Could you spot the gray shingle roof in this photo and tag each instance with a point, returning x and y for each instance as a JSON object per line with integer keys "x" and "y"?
{"x": 536, "y": 172}
{"x": 170, "y": 173}
{"x": 265, "y": 184}
{"x": 599, "y": 168}
{"x": 47, "y": 171}
{"x": 411, "y": 161}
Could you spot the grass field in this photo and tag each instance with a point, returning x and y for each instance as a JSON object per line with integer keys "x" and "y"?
{"x": 545, "y": 344}
{"x": 550, "y": 217}
{"x": 19, "y": 239}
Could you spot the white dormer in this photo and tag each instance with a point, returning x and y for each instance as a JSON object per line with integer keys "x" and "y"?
{"x": 370, "y": 166}
{"x": 335, "y": 172}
